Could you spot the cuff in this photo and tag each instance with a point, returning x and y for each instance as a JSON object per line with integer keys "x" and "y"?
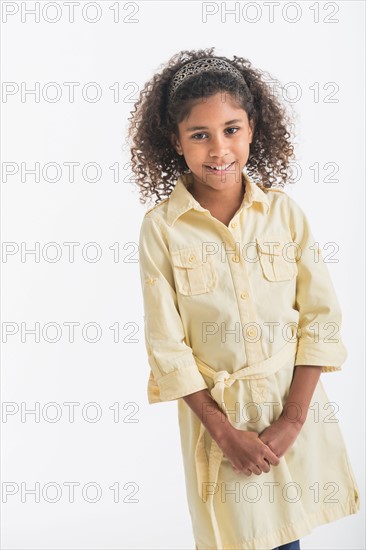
{"x": 180, "y": 382}
{"x": 328, "y": 356}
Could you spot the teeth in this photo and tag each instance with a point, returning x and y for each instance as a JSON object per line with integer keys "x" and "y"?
{"x": 221, "y": 167}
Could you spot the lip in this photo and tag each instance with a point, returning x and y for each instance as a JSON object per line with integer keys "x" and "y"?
{"x": 217, "y": 172}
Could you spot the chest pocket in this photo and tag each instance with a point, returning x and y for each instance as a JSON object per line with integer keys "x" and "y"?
{"x": 277, "y": 257}
{"x": 193, "y": 273}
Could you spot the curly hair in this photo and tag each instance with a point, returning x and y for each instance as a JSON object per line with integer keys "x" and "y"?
{"x": 156, "y": 164}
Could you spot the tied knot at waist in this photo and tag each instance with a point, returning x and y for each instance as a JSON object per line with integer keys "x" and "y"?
{"x": 221, "y": 376}
{"x": 221, "y": 379}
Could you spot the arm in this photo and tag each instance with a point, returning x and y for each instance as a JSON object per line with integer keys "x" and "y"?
{"x": 173, "y": 370}
{"x": 210, "y": 414}
{"x": 301, "y": 391}
{"x": 320, "y": 315}
{"x": 282, "y": 433}
{"x": 320, "y": 348}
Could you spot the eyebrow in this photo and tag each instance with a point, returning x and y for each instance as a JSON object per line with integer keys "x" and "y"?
{"x": 194, "y": 128}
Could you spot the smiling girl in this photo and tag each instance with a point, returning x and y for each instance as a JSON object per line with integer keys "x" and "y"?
{"x": 241, "y": 316}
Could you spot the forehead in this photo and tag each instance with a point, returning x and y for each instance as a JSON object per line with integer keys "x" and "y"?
{"x": 220, "y": 108}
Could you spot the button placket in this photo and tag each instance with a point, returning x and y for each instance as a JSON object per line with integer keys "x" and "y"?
{"x": 247, "y": 313}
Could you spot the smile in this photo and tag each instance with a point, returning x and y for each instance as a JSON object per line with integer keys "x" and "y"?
{"x": 222, "y": 168}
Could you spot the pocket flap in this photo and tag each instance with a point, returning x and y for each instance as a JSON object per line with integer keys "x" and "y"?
{"x": 271, "y": 245}
{"x": 187, "y": 257}
{"x": 279, "y": 245}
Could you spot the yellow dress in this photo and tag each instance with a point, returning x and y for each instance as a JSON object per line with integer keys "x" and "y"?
{"x": 234, "y": 309}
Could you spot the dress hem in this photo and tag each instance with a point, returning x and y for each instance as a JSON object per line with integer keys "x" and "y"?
{"x": 292, "y": 532}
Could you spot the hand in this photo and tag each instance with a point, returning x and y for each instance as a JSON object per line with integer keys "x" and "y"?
{"x": 280, "y": 435}
{"x": 246, "y": 452}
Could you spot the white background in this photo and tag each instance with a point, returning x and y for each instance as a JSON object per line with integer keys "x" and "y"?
{"x": 142, "y": 446}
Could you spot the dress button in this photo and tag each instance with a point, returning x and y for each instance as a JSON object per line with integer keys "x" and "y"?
{"x": 251, "y": 332}
{"x": 234, "y": 224}
{"x": 244, "y": 295}
{"x": 192, "y": 258}
{"x": 236, "y": 259}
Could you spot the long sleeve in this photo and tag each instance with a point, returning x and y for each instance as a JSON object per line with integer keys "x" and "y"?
{"x": 320, "y": 316}
{"x": 173, "y": 370}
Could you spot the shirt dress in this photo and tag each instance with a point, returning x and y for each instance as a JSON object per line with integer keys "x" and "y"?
{"x": 234, "y": 309}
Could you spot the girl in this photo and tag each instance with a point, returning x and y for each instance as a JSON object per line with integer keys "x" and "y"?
{"x": 241, "y": 316}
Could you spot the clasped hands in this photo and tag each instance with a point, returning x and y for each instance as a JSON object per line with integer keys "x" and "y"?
{"x": 250, "y": 452}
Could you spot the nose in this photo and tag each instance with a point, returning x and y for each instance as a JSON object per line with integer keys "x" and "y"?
{"x": 218, "y": 147}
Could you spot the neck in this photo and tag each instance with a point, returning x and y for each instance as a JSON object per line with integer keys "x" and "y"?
{"x": 225, "y": 198}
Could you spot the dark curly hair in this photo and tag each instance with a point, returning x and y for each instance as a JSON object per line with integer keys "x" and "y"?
{"x": 156, "y": 164}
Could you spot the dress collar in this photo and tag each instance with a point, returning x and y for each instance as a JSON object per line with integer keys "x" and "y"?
{"x": 181, "y": 200}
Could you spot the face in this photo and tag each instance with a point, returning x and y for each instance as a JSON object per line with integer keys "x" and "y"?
{"x": 216, "y": 134}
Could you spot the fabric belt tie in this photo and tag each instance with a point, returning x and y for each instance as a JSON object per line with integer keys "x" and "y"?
{"x": 208, "y": 470}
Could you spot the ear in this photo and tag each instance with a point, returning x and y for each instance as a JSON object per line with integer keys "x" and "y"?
{"x": 176, "y": 144}
{"x": 251, "y": 130}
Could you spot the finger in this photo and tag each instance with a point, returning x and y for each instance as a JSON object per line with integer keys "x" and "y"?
{"x": 265, "y": 441}
{"x": 272, "y": 457}
{"x": 265, "y": 465}
{"x": 274, "y": 461}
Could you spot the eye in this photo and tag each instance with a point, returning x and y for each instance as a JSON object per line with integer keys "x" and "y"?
{"x": 197, "y": 138}
{"x": 195, "y": 135}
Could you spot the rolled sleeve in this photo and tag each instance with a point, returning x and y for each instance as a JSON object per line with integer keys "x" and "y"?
{"x": 320, "y": 316}
{"x": 173, "y": 369}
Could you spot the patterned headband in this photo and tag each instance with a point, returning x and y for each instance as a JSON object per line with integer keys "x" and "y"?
{"x": 200, "y": 66}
